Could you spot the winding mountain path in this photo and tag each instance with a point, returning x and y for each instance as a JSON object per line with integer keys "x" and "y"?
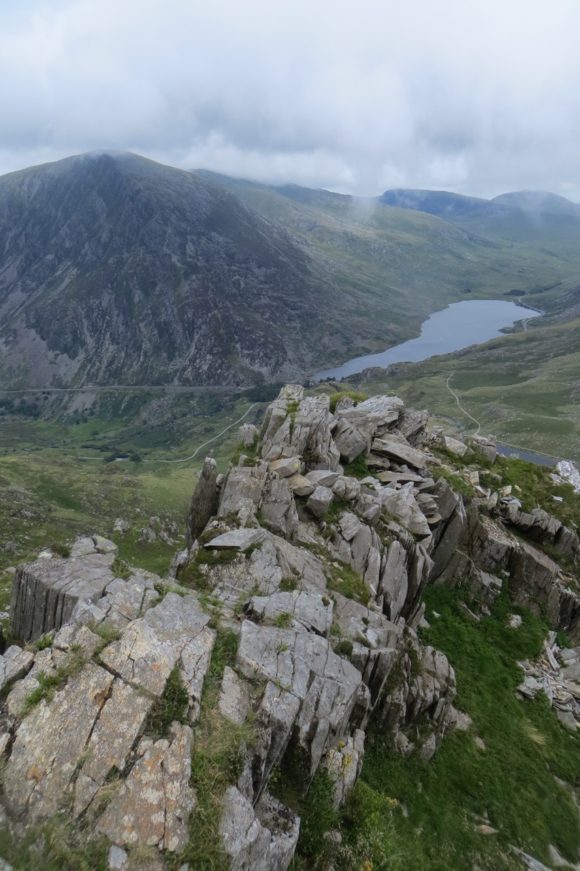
{"x": 460, "y": 407}
{"x": 213, "y": 439}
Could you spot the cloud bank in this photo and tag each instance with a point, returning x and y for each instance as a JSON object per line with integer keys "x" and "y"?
{"x": 478, "y": 97}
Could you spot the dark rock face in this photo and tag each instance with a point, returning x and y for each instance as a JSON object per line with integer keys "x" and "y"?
{"x": 204, "y": 501}
{"x": 115, "y": 269}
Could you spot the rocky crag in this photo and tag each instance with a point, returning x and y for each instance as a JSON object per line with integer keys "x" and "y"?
{"x": 306, "y": 563}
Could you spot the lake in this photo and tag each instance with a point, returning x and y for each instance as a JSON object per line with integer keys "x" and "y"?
{"x": 458, "y": 326}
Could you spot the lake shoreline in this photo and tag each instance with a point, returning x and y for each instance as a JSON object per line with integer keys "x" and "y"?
{"x": 458, "y": 326}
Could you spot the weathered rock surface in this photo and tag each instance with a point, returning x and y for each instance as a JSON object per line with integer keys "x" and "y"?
{"x": 154, "y": 803}
{"x": 321, "y": 576}
{"x": 45, "y": 593}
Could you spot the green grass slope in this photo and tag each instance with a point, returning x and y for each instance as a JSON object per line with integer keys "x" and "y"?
{"x": 524, "y": 388}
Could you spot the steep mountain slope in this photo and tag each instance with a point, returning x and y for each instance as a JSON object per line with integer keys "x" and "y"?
{"x": 117, "y": 269}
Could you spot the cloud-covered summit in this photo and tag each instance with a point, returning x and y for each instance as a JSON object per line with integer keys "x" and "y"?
{"x": 477, "y": 97}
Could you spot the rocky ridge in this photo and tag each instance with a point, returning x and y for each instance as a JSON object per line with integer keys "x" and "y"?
{"x": 313, "y": 553}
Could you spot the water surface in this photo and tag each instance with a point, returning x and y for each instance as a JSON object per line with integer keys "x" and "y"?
{"x": 458, "y": 326}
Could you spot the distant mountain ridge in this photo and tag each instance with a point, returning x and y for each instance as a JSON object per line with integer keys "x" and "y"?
{"x": 536, "y": 217}
{"x": 115, "y": 269}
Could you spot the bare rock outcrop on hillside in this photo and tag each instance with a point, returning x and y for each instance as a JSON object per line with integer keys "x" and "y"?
{"x": 316, "y": 569}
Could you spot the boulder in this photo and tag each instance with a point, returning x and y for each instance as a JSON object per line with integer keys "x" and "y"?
{"x": 285, "y": 467}
{"x": 350, "y": 441}
{"x": 320, "y": 501}
{"x": 454, "y": 446}
{"x": 249, "y": 435}
{"x": 403, "y": 505}
{"x": 300, "y": 485}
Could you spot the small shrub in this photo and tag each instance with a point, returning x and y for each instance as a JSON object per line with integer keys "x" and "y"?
{"x": 61, "y": 549}
{"x": 356, "y": 396}
{"x": 121, "y": 569}
{"x": 343, "y": 579}
{"x": 217, "y": 761}
{"x": 344, "y": 648}
{"x": 44, "y": 642}
{"x": 48, "y": 684}
{"x": 283, "y": 620}
{"x": 358, "y": 468}
{"x": 171, "y": 706}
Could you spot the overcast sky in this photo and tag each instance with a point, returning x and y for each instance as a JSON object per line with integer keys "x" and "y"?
{"x": 477, "y": 96}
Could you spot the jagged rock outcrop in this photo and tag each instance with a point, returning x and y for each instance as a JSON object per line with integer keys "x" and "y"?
{"x": 204, "y": 501}
{"x": 319, "y": 575}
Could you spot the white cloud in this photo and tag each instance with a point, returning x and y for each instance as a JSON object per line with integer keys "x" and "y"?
{"x": 474, "y": 96}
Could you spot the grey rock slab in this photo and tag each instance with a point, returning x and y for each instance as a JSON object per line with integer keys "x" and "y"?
{"x": 379, "y": 411}
{"x": 291, "y": 658}
{"x": 311, "y": 610}
{"x": 42, "y": 764}
{"x": 455, "y": 446}
{"x": 299, "y": 563}
{"x": 320, "y": 501}
{"x": 241, "y": 539}
{"x": 300, "y": 485}
{"x": 403, "y": 505}
{"x": 394, "y": 584}
{"x": 304, "y": 664}
{"x": 241, "y": 492}
{"x": 300, "y": 427}
{"x": 285, "y": 467}
{"x": 234, "y": 699}
{"x": 356, "y": 621}
{"x": 401, "y": 451}
{"x": 275, "y": 719}
{"x": 194, "y": 662}
{"x": 322, "y": 477}
{"x": 122, "y": 602}
{"x": 346, "y": 488}
{"x": 260, "y": 839}
{"x": 396, "y": 477}
{"x": 83, "y": 546}
{"x": 249, "y": 434}
{"x": 343, "y": 763}
{"x": 116, "y": 730}
{"x": 154, "y": 803}
{"x": 350, "y": 440}
{"x": 45, "y": 592}
{"x": 284, "y": 826}
{"x": 117, "y": 859}
{"x": 278, "y": 508}
{"x": 349, "y": 525}
{"x": 150, "y": 646}
{"x": 245, "y": 840}
{"x": 104, "y": 545}
{"x": 14, "y": 663}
